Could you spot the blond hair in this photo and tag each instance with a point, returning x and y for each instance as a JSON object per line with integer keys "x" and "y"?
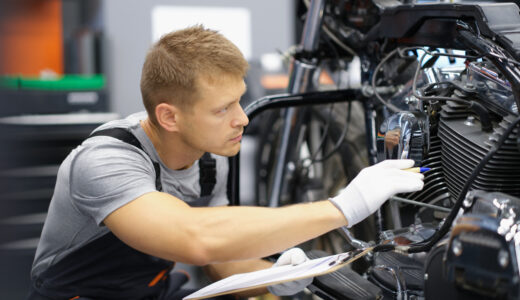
{"x": 174, "y": 64}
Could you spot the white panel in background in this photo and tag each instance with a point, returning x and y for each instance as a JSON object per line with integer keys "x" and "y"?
{"x": 233, "y": 22}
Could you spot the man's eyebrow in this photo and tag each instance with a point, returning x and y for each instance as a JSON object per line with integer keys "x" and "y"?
{"x": 225, "y": 104}
{"x": 229, "y": 103}
{"x": 234, "y": 100}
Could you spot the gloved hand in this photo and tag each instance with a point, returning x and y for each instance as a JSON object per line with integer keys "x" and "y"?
{"x": 373, "y": 186}
{"x": 293, "y": 256}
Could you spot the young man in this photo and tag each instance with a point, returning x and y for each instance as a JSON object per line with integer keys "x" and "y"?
{"x": 123, "y": 211}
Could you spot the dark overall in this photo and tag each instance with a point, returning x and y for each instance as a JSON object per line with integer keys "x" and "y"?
{"x": 107, "y": 268}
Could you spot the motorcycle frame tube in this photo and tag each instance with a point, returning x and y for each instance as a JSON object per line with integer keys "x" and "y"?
{"x": 300, "y": 80}
{"x": 312, "y": 27}
{"x": 284, "y": 101}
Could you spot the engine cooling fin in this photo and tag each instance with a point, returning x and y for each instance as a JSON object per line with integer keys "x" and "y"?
{"x": 464, "y": 145}
{"x": 435, "y": 189}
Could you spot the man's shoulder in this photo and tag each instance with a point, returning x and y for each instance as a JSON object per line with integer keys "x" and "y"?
{"x": 104, "y": 154}
{"x": 103, "y": 166}
{"x": 97, "y": 146}
{"x": 108, "y": 148}
{"x": 130, "y": 123}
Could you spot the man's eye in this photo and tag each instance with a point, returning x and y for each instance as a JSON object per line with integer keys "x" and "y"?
{"x": 223, "y": 110}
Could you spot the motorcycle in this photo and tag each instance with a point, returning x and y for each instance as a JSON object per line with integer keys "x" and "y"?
{"x": 439, "y": 83}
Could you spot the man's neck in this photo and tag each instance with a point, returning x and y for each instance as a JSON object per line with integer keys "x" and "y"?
{"x": 173, "y": 152}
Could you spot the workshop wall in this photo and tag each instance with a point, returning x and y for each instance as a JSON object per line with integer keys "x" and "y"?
{"x": 128, "y": 35}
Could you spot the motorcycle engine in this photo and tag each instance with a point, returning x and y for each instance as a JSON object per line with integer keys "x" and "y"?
{"x": 452, "y": 138}
{"x": 479, "y": 260}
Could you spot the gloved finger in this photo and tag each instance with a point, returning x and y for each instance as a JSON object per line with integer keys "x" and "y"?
{"x": 408, "y": 185}
{"x": 407, "y": 174}
{"x": 396, "y": 163}
{"x": 293, "y": 256}
{"x": 394, "y": 175}
{"x": 298, "y": 256}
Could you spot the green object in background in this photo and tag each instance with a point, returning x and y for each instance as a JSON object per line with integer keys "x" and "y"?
{"x": 11, "y": 83}
{"x": 62, "y": 83}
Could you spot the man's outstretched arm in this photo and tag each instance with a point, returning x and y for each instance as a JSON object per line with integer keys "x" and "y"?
{"x": 164, "y": 226}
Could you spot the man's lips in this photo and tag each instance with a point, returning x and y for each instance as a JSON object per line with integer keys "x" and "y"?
{"x": 237, "y": 138}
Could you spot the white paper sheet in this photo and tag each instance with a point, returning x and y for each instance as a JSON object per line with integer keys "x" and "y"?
{"x": 310, "y": 268}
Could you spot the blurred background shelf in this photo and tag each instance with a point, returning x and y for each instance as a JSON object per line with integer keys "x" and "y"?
{"x": 33, "y": 147}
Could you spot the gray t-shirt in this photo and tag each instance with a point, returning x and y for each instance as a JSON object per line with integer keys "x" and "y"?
{"x": 103, "y": 174}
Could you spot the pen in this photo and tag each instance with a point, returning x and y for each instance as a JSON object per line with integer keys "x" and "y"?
{"x": 417, "y": 169}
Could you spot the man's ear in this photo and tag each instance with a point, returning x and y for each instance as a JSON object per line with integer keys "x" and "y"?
{"x": 167, "y": 116}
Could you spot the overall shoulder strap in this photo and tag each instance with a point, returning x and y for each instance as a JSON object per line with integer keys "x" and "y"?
{"x": 128, "y": 137}
{"x": 208, "y": 174}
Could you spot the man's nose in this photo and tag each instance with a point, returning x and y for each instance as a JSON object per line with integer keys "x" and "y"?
{"x": 241, "y": 119}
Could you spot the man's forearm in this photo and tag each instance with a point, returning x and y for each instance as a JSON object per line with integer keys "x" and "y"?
{"x": 249, "y": 232}
{"x": 164, "y": 226}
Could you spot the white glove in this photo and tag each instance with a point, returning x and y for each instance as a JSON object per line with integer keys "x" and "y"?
{"x": 373, "y": 186}
{"x": 293, "y": 256}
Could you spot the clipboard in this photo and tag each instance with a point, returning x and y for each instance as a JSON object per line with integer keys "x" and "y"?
{"x": 262, "y": 278}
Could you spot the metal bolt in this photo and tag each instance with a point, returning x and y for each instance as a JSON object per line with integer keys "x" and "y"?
{"x": 458, "y": 93}
{"x": 470, "y": 121}
{"x": 468, "y": 200}
{"x": 410, "y": 100}
{"x": 365, "y": 64}
{"x": 503, "y": 258}
{"x": 456, "y": 247}
{"x": 446, "y": 203}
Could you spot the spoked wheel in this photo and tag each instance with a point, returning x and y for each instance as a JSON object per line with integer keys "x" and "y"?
{"x": 321, "y": 161}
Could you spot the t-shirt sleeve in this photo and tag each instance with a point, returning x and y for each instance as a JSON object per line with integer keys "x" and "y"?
{"x": 106, "y": 176}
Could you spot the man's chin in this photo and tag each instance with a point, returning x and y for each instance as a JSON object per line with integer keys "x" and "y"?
{"x": 233, "y": 153}
{"x": 229, "y": 152}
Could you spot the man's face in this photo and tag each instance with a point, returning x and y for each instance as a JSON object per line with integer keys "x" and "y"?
{"x": 216, "y": 121}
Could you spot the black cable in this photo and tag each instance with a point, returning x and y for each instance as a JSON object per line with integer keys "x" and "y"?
{"x": 445, "y": 227}
{"x": 339, "y": 142}
{"x": 431, "y": 85}
{"x": 313, "y": 158}
{"x": 509, "y": 60}
{"x": 392, "y": 107}
{"x": 323, "y": 137}
{"x": 492, "y": 46}
{"x": 383, "y": 248}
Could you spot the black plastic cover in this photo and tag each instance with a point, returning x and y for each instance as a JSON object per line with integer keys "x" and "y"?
{"x": 435, "y": 24}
